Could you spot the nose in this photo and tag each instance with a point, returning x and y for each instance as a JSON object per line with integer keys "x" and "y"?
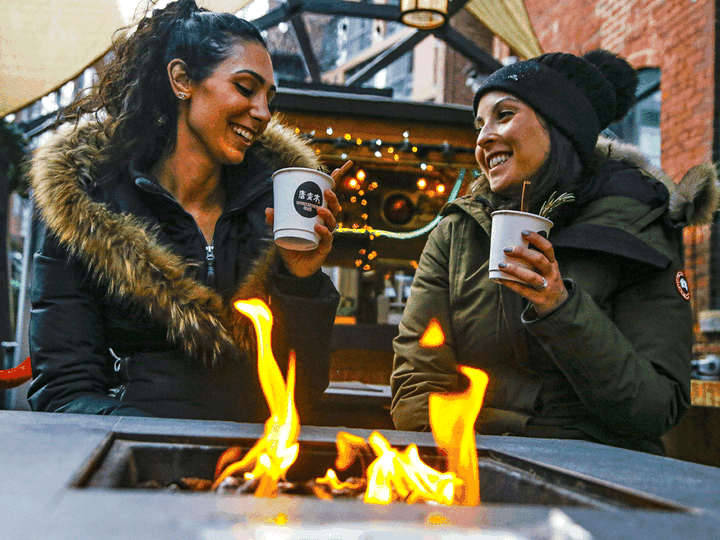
{"x": 261, "y": 108}
{"x": 485, "y": 135}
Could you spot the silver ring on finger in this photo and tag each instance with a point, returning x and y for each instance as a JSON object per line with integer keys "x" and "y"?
{"x": 542, "y": 285}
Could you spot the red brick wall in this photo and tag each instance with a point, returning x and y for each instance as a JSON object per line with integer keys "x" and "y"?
{"x": 676, "y": 36}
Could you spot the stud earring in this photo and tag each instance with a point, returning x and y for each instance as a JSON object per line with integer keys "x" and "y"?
{"x": 182, "y": 95}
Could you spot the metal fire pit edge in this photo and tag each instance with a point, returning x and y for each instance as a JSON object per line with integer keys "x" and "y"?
{"x": 43, "y": 457}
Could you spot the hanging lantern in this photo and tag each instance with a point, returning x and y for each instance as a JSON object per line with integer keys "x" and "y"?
{"x": 423, "y": 14}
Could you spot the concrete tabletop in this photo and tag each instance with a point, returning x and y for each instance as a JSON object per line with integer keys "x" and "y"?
{"x": 43, "y": 454}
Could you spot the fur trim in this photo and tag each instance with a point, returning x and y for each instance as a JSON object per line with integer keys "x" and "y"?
{"x": 693, "y": 200}
{"x": 696, "y": 198}
{"x": 130, "y": 262}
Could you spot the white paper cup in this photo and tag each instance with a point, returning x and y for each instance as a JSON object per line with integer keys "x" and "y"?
{"x": 506, "y": 228}
{"x": 297, "y": 194}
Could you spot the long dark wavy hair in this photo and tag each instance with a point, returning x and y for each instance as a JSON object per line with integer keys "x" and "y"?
{"x": 134, "y": 99}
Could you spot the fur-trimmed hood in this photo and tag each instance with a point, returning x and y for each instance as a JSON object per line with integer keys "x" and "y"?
{"x": 693, "y": 200}
{"x": 128, "y": 260}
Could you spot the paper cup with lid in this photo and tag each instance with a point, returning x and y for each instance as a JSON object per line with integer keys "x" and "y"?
{"x": 298, "y": 193}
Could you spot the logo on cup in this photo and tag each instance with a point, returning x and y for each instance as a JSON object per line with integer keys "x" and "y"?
{"x": 308, "y": 198}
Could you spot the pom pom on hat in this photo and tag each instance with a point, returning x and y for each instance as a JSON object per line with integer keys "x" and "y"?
{"x": 621, "y": 75}
{"x": 580, "y": 95}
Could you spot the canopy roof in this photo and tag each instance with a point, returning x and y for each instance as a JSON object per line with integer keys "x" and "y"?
{"x": 46, "y": 43}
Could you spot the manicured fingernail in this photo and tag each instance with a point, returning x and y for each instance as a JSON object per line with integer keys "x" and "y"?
{"x": 502, "y": 265}
{"x": 524, "y": 233}
{"x": 508, "y": 249}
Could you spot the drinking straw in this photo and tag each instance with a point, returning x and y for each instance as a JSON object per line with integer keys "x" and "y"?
{"x": 525, "y": 197}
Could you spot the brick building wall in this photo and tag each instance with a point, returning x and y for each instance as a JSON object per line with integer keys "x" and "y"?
{"x": 677, "y": 36}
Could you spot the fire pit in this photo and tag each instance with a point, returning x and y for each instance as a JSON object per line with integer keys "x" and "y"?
{"x": 82, "y": 474}
{"x": 135, "y": 464}
{"x": 452, "y": 473}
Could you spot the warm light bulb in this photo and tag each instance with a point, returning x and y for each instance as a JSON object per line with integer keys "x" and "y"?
{"x": 361, "y": 175}
{"x": 422, "y": 183}
{"x": 440, "y": 188}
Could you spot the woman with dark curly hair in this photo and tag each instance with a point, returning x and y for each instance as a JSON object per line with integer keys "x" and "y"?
{"x": 155, "y": 203}
{"x": 589, "y": 334}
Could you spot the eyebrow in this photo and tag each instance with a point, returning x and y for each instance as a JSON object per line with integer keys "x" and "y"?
{"x": 257, "y": 76}
{"x": 497, "y": 104}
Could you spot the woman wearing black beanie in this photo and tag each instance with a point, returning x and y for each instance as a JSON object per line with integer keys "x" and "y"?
{"x": 595, "y": 341}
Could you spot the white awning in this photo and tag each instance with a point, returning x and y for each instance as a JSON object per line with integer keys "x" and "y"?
{"x": 46, "y": 43}
{"x": 508, "y": 20}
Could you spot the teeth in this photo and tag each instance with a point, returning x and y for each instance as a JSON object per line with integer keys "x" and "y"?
{"x": 497, "y": 160}
{"x": 245, "y": 134}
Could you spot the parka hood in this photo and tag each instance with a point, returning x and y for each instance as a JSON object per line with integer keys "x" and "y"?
{"x": 618, "y": 221}
{"x": 127, "y": 259}
{"x": 692, "y": 201}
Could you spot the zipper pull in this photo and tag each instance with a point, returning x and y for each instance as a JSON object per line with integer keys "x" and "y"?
{"x": 210, "y": 259}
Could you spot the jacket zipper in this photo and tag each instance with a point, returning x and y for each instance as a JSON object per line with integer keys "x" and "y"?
{"x": 210, "y": 259}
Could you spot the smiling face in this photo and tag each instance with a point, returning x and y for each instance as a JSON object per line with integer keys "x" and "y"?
{"x": 512, "y": 142}
{"x": 228, "y": 110}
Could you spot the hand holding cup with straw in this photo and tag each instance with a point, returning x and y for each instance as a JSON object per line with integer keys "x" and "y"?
{"x": 507, "y": 227}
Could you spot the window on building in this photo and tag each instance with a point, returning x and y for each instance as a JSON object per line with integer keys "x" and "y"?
{"x": 359, "y": 35}
{"x": 398, "y": 76}
{"x": 641, "y": 126}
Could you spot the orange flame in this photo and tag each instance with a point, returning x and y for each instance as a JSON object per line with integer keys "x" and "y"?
{"x": 403, "y": 475}
{"x": 433, "y": 335}
{"x": 349, "y": 447}
{"x": 394, "y": 474}
{"x": 331, "y": 479}
{"x": 452, "y": 421}
{"x": 276, "y": 451}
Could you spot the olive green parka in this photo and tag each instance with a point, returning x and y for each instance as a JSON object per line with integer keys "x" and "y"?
{"x": 612, "y": 363}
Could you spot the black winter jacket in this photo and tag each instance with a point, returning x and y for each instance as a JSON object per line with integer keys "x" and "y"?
{"x": 132, "y": 310}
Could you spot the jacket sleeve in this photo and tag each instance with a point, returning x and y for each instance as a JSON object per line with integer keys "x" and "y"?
{"x": 629, "y": 363}
{"x": 304, "y": 315}
{"x": 418, "y": 371}
{"x": 69, "y": 357}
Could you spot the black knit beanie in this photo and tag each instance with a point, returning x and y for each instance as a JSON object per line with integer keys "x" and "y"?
{"x": 580, "y": 96}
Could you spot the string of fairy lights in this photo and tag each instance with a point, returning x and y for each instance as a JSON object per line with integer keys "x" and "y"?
{"x": 389, "y": 152}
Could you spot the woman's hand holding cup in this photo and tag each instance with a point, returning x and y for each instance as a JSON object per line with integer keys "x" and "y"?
{"x": 542, "y": 283}
{"x": 303, "y": 263}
